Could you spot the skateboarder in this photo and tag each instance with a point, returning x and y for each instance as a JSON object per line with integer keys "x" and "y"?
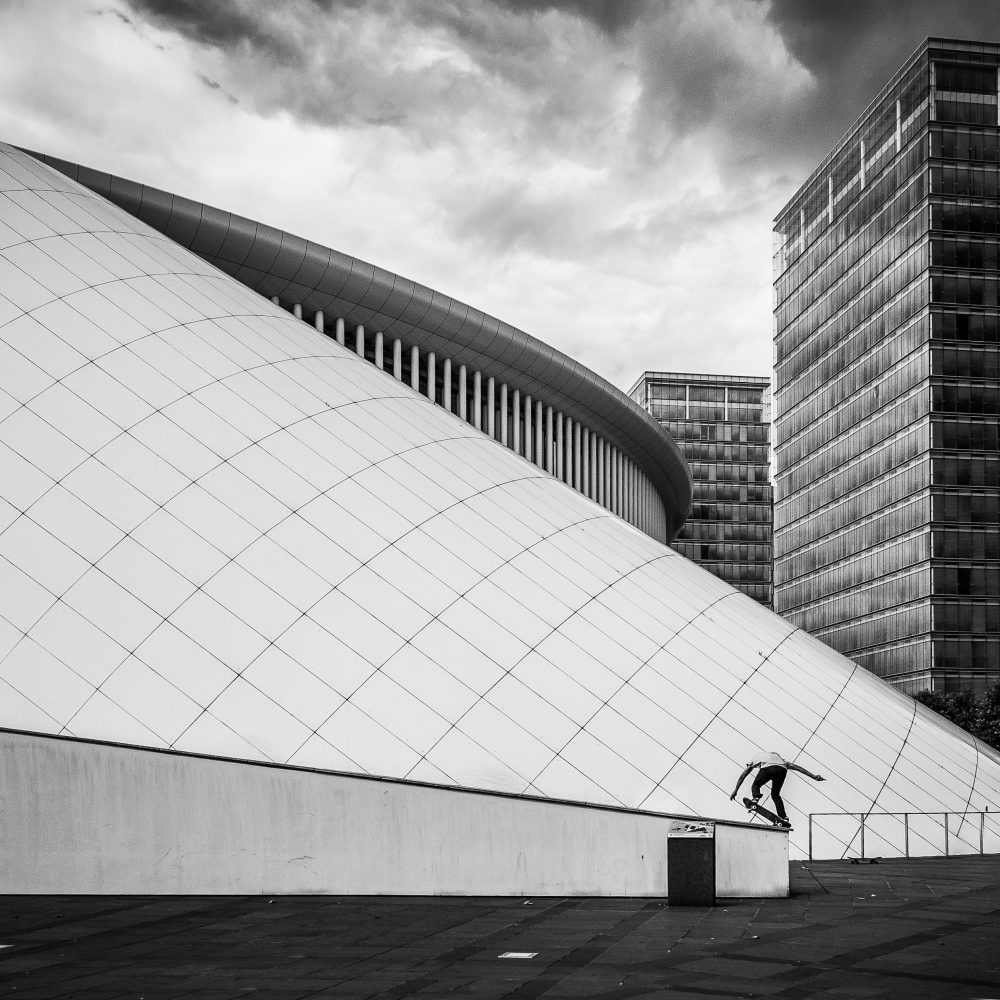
{"x": 773, "y": 768}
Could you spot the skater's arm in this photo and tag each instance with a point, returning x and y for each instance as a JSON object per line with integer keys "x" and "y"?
{"x": 802, "y": 770}
{"x": 746, "y": 771}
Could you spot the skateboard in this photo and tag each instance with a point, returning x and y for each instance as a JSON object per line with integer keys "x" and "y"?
{"x": 767, "y": 814}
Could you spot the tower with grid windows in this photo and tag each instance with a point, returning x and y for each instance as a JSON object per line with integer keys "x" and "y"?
{"x": 722, "y": 424}
{"x": 887, "y": 381}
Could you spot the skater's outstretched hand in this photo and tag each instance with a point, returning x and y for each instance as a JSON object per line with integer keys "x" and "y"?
{"x": 802, "y": 770}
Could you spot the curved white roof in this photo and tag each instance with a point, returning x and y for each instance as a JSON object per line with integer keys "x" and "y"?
{"x": 222, "y": 532}
{"x": 315, "y": 277}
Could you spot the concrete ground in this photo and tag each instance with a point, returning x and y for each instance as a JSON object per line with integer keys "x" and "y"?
{"x": 901, "y": 929}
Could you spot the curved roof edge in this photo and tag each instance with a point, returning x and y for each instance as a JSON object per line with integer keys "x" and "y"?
{"x": 274, "y": 262}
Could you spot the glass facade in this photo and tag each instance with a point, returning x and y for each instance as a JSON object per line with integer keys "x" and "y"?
{"x": 722, "y": 424}
{"x": 887, "y": 381}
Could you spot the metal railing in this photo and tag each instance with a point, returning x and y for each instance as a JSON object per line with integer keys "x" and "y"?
{"x": 866, "y": 818}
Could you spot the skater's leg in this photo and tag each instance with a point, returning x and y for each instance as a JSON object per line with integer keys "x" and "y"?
{"x": 779, "y": 806}
{"x": 764, "y": 775}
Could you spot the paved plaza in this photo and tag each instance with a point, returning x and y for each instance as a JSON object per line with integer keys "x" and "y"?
{"x": 902, "y": 929}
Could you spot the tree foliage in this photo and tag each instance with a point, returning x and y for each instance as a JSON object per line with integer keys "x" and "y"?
{"x": 976, "y": 714}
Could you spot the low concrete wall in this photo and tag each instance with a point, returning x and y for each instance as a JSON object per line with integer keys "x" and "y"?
{"x": 753, "y": 863}
{"x": 85, "y": 817}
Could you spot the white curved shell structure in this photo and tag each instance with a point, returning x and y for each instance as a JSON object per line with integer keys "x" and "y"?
{"x": 223, "y": 532}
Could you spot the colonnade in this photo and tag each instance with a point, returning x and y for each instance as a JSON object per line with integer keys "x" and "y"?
{"x": 562, "y": 446}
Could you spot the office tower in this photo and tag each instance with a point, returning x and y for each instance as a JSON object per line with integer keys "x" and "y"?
{"x": 722, "y": 424}
{"x": 229, "y": 537}
{"x": 887, "y": 511}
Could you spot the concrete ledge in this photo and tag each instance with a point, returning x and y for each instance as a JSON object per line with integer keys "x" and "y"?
{"x": 80, "y": 816}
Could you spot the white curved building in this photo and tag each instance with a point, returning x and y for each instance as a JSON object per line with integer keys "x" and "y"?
{"x": 225, "y": 533}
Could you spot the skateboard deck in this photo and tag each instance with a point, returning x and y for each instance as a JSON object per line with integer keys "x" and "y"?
{"x": 766, "y": 813}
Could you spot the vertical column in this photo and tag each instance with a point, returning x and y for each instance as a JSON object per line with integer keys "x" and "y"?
{"x": 585, "y": 449}
{"x": 864, "y": 165}
{"x": 502, "y": 415}
{"x": 899, "y": 116}
{"x": 568, "y": 479}
{"x": 540, "y": 457}
{"x": 594, "y": 478}
{"x": 431, "y": 377}
{"x": 602, "y": 450}
{"x": 612, "y": 480}
{"x": 577, "y": 474}
{"x": 477, "y": 399}
{"x": 463, "y": 407}
{"x": 515, "y": 422}
{"x": 629, "y": 492}
{"x": 802, "y": 230}
{"x": 446, "y": 384}
{"x": 620, "y": 483}
{"x": 560, "y": 468}
{"x": 829, "y": 200}
{"x": 528, "y": 441}
{"x": 359, "y": 341}
{"x": 297, "y": 310}
{"x": 609, "y": 477}
{"x": 626, "y": 489}
{"x": 415, "y": 368}
{"x": 549, "y": 463}
{"x": 341, "y": 338}
{"x": 491, "y": 417}
{"x": 624, "y": 501}
{"x": 592, "y": 471}
{"x": 379, "y": 350}
{"x": 318, "y": 321}
{"x": 397, "y": 359}
{"x": 633, "y": 488}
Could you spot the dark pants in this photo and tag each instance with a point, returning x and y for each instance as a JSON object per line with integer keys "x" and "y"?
{"x": 774, "y": 773}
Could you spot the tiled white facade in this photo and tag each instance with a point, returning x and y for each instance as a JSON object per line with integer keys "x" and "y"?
{"x": 222, "y": 532}
{"x": 530, "y": 397}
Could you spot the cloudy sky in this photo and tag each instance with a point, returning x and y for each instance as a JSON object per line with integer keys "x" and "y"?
{"x": 600, "y": 173}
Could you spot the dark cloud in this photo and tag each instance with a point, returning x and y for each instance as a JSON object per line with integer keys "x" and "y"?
{"x": 224, "y": 24}
{"x": 382, "y": 63}
{"x": 853, "y": 47}
{"x": 699, "y": 63}
{"x": 752, "y": 89}
{"x": 709, "y": 71}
